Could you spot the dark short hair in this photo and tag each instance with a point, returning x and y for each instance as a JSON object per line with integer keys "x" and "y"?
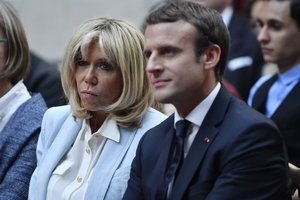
{"x": 207, "y": 21}
{"x": 294, "y": 9}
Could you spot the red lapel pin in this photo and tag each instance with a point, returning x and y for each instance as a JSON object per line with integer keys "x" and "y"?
{"x": 206, "y": 139}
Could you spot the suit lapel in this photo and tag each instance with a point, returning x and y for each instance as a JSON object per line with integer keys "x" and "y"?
{"x": 62, "y": 143}
{"x": 260, "y": 97}
{"x": 203, "y": 140}
{"x": 163, "y": 159}
{"x": 284, "y": 108}
{"x": 109, "y": 161}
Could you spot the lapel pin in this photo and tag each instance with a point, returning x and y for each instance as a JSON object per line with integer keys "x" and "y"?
{"x": 206, "y": 139}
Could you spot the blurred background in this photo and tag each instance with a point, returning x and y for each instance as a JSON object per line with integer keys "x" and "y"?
{"x": 50, "y": 24}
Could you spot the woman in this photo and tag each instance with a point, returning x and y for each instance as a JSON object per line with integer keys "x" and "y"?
{"x": 85, "y": 150}
{"x": 20, "y": 111}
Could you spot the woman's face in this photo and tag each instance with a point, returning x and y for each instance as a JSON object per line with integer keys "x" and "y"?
{"x": 99, "y": 82}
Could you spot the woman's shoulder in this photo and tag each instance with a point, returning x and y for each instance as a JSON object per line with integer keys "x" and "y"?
{"x": 153, "y": 118}
{"x": 59, "y": 112}
{"x": 56, "y": 116}
{"x": 153, "y": 114}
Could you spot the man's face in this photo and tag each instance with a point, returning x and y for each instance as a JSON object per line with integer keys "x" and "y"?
{"x": 278, "y": 34}
{"x": 177, "y": 74}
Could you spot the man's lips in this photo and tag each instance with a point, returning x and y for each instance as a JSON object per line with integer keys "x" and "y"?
{"x": 160, "y": 82}
{"x": 266, "y": 50}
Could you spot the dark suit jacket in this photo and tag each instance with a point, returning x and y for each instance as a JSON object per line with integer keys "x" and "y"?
{"x": 44, "y": 78}
{"x": 243, "y": 44}
{"x": 286, "y": 117}
{"x": 237, "y": 154}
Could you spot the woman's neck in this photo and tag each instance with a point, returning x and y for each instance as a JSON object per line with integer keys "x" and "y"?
{"x": 97, "y": 120}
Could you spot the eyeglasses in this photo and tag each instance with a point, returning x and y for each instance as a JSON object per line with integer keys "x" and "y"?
{"x": 3, "y": 40}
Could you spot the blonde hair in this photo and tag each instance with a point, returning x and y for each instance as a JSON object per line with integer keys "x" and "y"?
{"x": 123, "y": 44}
{"x": 18, "y": 56}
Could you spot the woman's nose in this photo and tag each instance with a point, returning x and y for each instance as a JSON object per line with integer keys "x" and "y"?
{"x": 91, "y": 77}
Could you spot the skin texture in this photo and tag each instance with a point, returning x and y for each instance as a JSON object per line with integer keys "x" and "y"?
{"x": 254, "y": 12}
{"x": 177, "y": 74}
{"x": 277, "y": 33}
{"x": 99, "y": 83}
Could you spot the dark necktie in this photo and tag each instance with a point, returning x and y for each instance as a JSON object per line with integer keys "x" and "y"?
{"x": 177, "y": 157}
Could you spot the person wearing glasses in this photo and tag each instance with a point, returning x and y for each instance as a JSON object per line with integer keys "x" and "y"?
{"x": 21, "y": 112}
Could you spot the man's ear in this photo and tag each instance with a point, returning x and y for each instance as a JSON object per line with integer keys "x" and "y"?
{"x": 212, "y": 56}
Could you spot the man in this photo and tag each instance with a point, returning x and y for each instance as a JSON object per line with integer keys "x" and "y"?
{"x": 245, "y": 60}
{"x": 230, "y": 151}
{"x": 278, "y": 97}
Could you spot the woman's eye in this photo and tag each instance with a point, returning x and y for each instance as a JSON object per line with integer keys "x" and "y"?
{"x": 105, "y": 66}
{"x": 82, "y": 63}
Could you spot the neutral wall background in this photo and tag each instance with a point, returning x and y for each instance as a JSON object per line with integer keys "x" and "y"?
{"x": 50, "y": 23}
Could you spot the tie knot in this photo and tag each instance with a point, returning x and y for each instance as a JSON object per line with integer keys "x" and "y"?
{"x": 181, "y": 128}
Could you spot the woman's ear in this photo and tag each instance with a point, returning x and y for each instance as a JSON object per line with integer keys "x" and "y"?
{"x": 212, "y": 56}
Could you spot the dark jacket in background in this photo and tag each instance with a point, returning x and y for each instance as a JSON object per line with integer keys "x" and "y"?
{"x": 245, "y": 55}
{"x": 44, "y": 78}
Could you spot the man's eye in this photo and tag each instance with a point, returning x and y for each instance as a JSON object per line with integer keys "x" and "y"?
{"x": 167, "y": 52}
{"x": 276, "y": 26}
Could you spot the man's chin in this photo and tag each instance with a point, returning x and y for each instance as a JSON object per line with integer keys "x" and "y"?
{"x": 162, "y": 99}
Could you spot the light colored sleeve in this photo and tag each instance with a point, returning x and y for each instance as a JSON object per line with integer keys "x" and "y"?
{"x": 254, "y": 88}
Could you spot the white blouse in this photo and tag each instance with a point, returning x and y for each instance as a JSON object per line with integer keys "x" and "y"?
{"x": 71, "y": 177}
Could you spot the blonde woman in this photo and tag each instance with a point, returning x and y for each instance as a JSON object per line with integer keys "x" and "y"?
{"x": 86, "y": 148}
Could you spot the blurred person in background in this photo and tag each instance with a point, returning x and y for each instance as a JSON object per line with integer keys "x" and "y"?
{"x": 245, "y": 60}
{"x": 21, "y": 112}
{"x": 278, "y": 96}
{"x": 44, "y": 78}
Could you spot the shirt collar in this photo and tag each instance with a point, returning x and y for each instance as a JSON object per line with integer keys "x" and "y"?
{"x": 199, "y": 112}
{"x": 11, "y": 101}
{"x": 290, "y": 76}
{"x": 109, "y": 129}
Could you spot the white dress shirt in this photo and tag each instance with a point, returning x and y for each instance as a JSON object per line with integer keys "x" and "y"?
{"x": 70, "y": 178}
{"x": 196, "y": 118}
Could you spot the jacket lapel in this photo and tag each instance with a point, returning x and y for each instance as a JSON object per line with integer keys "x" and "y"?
{"x": 203, "y": 140}
{"x": 162, "y": 162}
{"x": 260, "y": 96}
{"x": 62, "y": 143}
{"x": 292, "y": 99}
{"x": 111, "y": 158}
